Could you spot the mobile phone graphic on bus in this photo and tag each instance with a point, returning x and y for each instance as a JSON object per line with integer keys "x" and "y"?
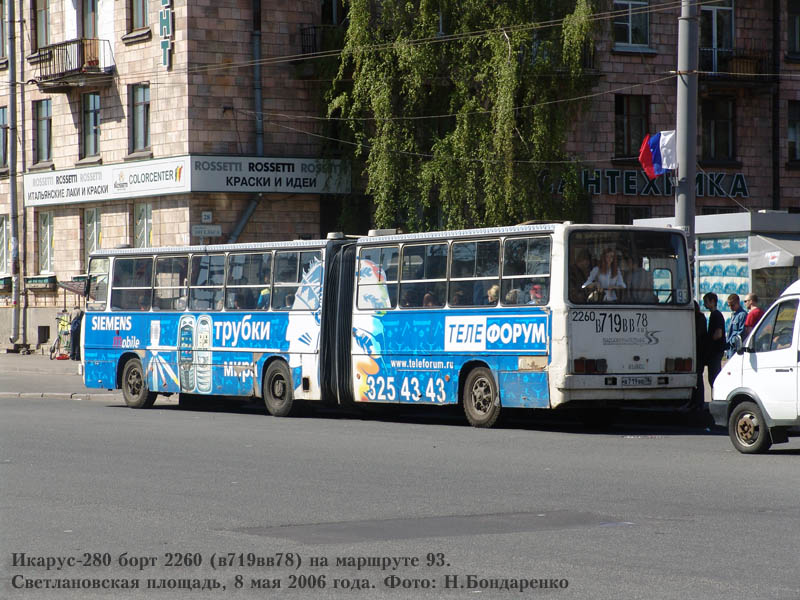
{"x": 186, "y": 352}
{"x": 203, "y": 354}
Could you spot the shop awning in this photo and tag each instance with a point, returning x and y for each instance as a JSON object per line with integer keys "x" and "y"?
{"x": 774, "y": 251}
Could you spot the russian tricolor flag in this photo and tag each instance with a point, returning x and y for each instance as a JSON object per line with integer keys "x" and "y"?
{"x": 657, "y": 154}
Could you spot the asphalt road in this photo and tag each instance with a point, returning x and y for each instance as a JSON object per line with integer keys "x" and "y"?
{"x": 415, "y": 506}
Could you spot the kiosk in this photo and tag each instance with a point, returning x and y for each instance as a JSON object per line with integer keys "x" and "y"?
{"x": 738, "y": 253}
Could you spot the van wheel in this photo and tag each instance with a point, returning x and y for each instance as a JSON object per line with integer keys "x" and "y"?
{"x": 134, "y": 386}
{"x": 480, "y": 398}
{"x": 748, "y": 429}
{"x": 277, "y": 389}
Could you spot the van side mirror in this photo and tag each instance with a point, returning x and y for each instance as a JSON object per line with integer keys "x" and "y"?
{"x": 737, "y": 345}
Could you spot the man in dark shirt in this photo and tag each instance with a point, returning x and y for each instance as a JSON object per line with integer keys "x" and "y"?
{"x": 715, "y": 347}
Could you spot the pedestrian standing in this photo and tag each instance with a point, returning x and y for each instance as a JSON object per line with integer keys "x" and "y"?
{"x": 75, "y": 333}
{"x": 698, "y": 402}
{"x": 715, "y": 342}
{"x": 754, "y": 313}
{"x": 736, "y": 324}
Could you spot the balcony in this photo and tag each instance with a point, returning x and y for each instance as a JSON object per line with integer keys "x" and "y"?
{"x": 74, "y": 63}
{"x": 736, "y": 68}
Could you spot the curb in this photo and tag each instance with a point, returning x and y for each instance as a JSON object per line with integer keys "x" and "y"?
{"x": 62, "y": 396}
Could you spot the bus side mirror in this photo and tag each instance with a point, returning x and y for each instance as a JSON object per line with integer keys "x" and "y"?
{"x": 86, "y": 288}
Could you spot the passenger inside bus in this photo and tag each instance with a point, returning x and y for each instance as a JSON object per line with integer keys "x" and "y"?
{"x": 579, "y": 270}
{"x": 493, "y": 294}
{"x": 638, "y": 282}
{"x": 606, "y": 278}
{"x": 536, "y": 294}
{"x": 263, "y": 297}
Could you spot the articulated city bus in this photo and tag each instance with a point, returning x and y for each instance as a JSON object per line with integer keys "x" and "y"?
{"x": 531, "y": 316}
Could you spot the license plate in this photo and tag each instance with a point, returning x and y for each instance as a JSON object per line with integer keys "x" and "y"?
{"x": 629, "y": 381}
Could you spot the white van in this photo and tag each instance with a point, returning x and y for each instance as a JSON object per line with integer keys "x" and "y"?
{"x": 756, "y": 393}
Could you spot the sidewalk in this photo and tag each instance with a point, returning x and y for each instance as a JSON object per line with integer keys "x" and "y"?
{"x": 36, "y": 376}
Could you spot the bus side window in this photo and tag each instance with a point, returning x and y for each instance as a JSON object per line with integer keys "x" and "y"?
{"x": 170, "y": 286}
{"x": 249, "y": 281}
{"x": 98, "y": 284}
{"x": 132, "y": 284}
{"x": 298, "y": 284}
{"x": 526, "y": 271}
{"x": 424, "y": 276}
{"x": 207, "y": 279}
{"x": 474, "y": 269}
{"x": 377, "y": 277}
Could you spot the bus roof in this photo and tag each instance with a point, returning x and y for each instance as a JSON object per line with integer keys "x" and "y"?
{"x": 511, "y": 230}
{"x": 209, "y": 249}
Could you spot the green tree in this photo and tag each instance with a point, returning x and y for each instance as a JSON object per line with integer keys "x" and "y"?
{"x": 453, "y": 108}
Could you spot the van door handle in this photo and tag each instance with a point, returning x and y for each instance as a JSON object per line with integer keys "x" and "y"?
{"x": 783, "y": 370}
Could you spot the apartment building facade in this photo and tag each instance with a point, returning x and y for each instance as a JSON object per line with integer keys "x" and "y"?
{"x": 177, "y": 122}
{"x": 748, "y": 126}
{"x": 148, "y": 124}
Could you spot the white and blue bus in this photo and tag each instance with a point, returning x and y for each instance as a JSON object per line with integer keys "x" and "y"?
{"x": 531, "y": 316}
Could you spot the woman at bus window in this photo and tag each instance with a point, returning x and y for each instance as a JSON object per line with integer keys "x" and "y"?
{"x": 606, "y": 277}
{"x": 429, "y": 300}
{"x": 493, "y": 294}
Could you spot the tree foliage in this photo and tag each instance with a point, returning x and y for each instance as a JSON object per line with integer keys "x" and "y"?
{"x": 454, "y": 108}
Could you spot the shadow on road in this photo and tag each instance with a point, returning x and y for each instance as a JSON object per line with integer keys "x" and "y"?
{"x": 623, "y": 422}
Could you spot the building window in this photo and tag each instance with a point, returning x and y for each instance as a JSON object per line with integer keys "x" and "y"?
{"x": 5, "y": 243}
{"x": 631, "y": 27}
{"x": 138, "y": 14}
{"x": 716, "y": 35}
{"x": 718, "y": 129}
{"x": 46, "y": 242}
{"x": 3, "y": 136}
{"x": 90, "y": 19}
{"x": 630, "y": 124}
{"x": 42, "y": 17}
{"x": 143, "y": 225}
{"x": 793, "y": 19}
{"x": 140, "y": 123}
{"x": 718, "y": 210}
{"x": 3, "y": 16}
{"x": 624, "y": 214}
{"x": 793, "y": 130}
{"x": 43, "y": 146}
{"x": 90, "y": 145}
{"x": 92, "y": 234}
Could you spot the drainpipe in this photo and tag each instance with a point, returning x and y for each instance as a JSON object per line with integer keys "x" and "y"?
{"x": 258, "y": 105}
{"x": 12, "y": 168}
{"x": 776, "y": 106}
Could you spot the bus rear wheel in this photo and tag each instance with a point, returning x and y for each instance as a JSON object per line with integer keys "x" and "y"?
{"x": 134, "y": 386}
{"x": 278, "y": 395}
{"x": 481, "y": 405}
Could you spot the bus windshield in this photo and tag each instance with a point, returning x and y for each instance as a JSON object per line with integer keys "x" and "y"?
{"x": 627, "y": 267}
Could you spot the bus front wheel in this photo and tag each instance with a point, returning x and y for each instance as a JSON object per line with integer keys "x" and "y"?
{"x": 278, "y": 396}
{"x": 481, "y": 405}
{"x": 748, "y": 430}
{"x": 134, "y": 386}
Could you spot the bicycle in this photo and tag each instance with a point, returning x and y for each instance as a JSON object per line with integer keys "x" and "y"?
{"x": 60, "y": 348}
